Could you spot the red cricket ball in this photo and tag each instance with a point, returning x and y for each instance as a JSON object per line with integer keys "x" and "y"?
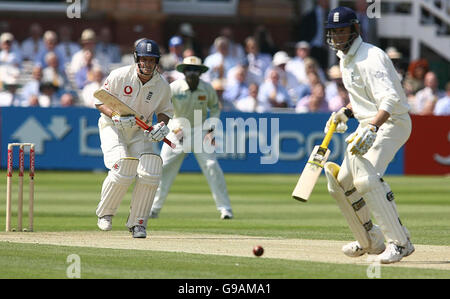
{"x": 258, "y": 250}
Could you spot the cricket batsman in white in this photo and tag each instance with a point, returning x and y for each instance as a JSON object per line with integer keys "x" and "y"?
{"x": 379, "y": 103}
{"x": 191, "y": 95}
{"x": 127, "y": 149}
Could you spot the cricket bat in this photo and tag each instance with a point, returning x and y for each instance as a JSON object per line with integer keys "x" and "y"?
{"x": 313, "y": 168}
{"x": 123, "y": 109}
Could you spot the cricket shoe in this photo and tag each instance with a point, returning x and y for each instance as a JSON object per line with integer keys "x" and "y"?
{"x": 105, "y": 222}
{"x": 226, "y": 214}
{"x": 354, "y": 249}
{"x": 139, "y": 231}
{"x": 394, "y": 253}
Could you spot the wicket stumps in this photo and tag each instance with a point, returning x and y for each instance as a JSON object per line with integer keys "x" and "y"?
{"x": 20, "y": 191}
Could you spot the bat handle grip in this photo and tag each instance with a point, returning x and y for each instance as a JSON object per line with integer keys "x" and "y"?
{"x": 329, "y": 135}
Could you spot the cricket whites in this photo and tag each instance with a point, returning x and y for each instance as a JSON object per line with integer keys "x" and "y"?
{"x": 313, "y": 167}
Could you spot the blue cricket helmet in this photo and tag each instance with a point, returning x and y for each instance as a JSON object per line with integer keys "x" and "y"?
{"x": 341, "y": 17}
{"x": 146, "y": 47}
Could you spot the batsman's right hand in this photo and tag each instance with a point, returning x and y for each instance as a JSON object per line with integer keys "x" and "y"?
{"x": 340, "y": 119}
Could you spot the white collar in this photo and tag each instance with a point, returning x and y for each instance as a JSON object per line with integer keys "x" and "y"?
{"x": 352, "y": 51}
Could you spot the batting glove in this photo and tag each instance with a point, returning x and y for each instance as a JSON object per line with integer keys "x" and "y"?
{"x": 158, "y": 132}
{"x": 123, "y": 122}
{"x": 340, "y": 118}
{"x": 362, "y": 140}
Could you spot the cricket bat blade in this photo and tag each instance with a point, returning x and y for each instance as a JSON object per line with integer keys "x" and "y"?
{"x": 311, "y": 173}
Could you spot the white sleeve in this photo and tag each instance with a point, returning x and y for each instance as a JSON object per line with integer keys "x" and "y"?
{"x": 381, "y": 82}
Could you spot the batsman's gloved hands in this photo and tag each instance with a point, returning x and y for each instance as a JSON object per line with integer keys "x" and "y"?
{"x": 340, "y": 118}
{"x": 362, "y": 140}
{"x": 123, "y": 122}
{"x": 158, "y": 132}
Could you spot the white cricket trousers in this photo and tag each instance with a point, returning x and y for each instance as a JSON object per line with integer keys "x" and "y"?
{"x": 172, "y": 160}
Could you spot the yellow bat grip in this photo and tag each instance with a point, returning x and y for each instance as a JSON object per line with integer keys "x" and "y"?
{"x": 327, "y": 138}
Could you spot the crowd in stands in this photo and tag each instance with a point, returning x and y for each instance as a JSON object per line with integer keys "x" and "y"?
{"x": 251, "y": 76}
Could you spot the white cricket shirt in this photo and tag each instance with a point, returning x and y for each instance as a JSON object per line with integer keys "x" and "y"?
{"x": 146, "y": 99}
{"x": 185, "y": 101}
{"x": 372, "y": 82}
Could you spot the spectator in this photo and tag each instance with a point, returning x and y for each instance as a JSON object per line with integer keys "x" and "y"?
{"x": 311, "y": 65}
{"x": 272, "y": 94}
{"x": 88, "y": 42}
{"x": 10, "y": 81}
{"x": 187, "y": 33}
{"x": 106, "y": 47}
{"x": 331, "y": 87}
{"x": 257, "y": 62}
{"x": 49, "y": 96}
{"x": 396, "y": 58}
{"x": 30, "y": 91}
{"x": 88, "y": 99}
{"x": 53, "y": 72}
{"x": 7, "y": 55}
{"x": 442, "y": 106}
{"x": 66, "y": 47}
{"x": 427, "y": 97}
{"x": 82, "y": 76}
{"x": 188, "y": 52}
{"x": 34, "y": 44}
{"x": 175, "y": 56}
{"x": 315, "y": 102}
{"x": 219, "y": 87}
{"x": 238, "y": 88}
{"x": 50, "y": 41}
{"x": 297, "y": 64}
{"x": 312, "y": 30}
{"x": 220, "y": 62}
{"x": 287, "y": 79}
{"x": 250, "y": 102}
{"x": 416, "y": 74}
{"x": 235, "y": 49}
{"x": 340, "y": 100}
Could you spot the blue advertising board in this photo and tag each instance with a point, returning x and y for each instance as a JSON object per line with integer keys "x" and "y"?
{"x": 67, "y": 139}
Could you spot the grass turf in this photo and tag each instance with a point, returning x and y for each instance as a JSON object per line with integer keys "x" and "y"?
{"x": 262, "y": 204}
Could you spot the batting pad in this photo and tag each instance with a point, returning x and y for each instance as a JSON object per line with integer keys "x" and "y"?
{"x": 383, "y": 211}
{"x": 352, "y": 206}
{"x": 116, "y": 184}
{"x": 149, "y": 175}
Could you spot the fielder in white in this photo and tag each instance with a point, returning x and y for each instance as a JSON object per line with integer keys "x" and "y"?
{"x": 191, "y": 95}
{"x": 127, "y": 149}
{"x": 378, "y": 102}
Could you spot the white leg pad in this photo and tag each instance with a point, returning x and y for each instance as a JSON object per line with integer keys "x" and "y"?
{"x": 352, "y": 206}
{"x": 149, "y": 175}
{"x": 378, "y": 200}
{"x": 116, "y": 184}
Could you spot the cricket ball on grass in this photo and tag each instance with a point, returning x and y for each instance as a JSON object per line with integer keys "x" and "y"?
{"x": 258, "y": 250}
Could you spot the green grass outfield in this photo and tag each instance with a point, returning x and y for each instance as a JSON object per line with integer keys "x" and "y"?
{"x": 263, "y": 207}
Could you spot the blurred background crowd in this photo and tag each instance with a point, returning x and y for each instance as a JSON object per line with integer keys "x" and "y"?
{"x": 57, "y": 69}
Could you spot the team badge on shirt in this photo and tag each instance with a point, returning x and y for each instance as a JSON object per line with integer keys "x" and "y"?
{"x": 149, "y": 97}
{"x": 202, "y": 98}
